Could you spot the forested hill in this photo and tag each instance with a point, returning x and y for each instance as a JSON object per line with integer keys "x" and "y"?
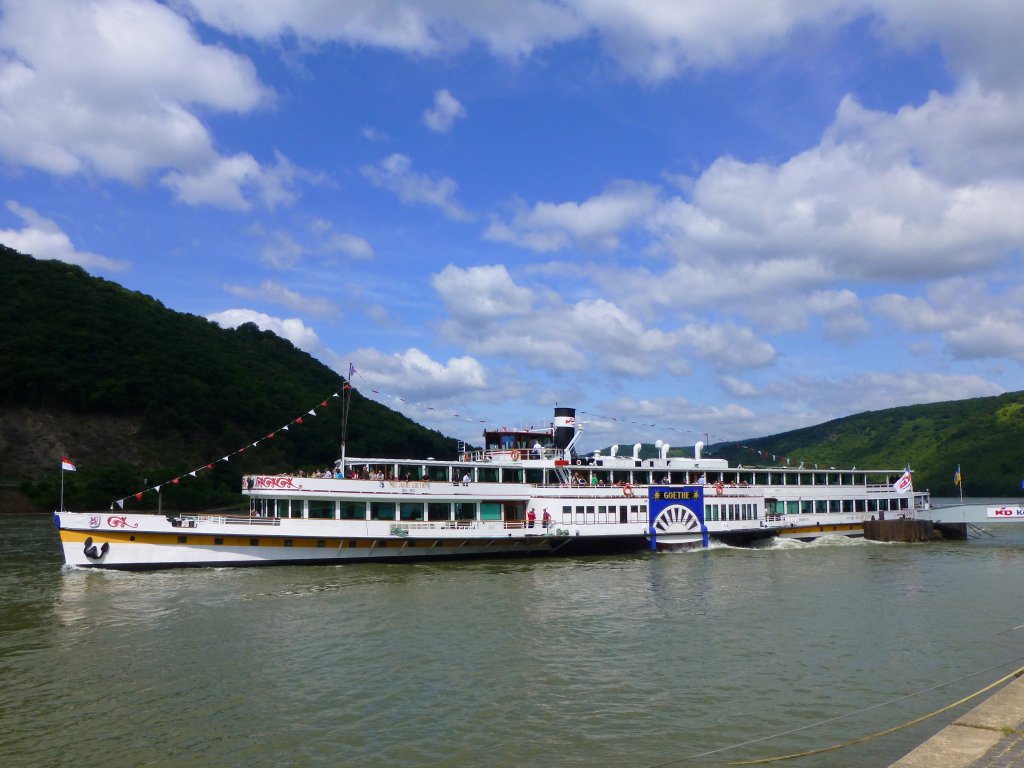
{"x": 136, "y": 392}
{"x": 984, "y": 436}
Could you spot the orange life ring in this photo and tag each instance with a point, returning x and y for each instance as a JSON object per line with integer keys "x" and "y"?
{"x": 627, "y": 490}
{"x": 465, "y": 457}
{"x": 515, "y": 455}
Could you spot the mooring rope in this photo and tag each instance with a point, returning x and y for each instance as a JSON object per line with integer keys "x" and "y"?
{"x": 1016, "y": 673}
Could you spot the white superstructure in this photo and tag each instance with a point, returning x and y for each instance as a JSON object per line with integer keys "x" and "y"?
{"x": 526, "y": 492}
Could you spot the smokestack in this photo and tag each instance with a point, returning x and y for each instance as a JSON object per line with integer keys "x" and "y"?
{"x": 565, "y": 426}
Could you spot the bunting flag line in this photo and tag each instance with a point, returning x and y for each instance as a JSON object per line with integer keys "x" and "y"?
{"x": 119, "y": 503}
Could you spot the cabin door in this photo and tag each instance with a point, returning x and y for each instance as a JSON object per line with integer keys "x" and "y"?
{"x": 514, "y": 511}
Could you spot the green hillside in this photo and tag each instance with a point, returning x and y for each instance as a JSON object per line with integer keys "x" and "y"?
{"x": 88, "y": 365}
{"x": 984, "y": 436}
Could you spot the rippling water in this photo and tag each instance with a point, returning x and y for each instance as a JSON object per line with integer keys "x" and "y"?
{"x": 625, "y": 661}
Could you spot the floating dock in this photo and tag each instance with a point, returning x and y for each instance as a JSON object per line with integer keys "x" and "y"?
{"x": 904, "y": 530}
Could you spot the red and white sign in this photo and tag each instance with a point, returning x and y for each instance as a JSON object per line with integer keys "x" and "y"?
{"x": 1006, "y": 513}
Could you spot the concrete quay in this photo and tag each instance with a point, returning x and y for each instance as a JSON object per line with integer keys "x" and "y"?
{"x": 989, "y": 736}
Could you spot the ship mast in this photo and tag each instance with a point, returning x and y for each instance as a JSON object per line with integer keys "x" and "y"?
{"x": 346, "y": 400}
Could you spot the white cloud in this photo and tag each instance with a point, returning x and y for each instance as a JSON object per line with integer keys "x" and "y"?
{"x": 43, "y": 239}
{"x": 274, "y": 292}
{"x": 481, "y": 295}
{"x": 599, "y": 220}
{"x": 111, "y": 88}
{"x": 395, "y": 174}
{"x": 737, "y": 387}
{"x": 292, "y": 328}
{"x": 282, "y": 252}
{"x": 413, "y": 374}
{"x": 975, "y": 322}
{"x": 350, "y": 245}
{"x": 508, "y": 30}
{"x": 233, "y": 182}
{"x": 824, "y": 400}
{"x": 727, "y": 346}
{"x": 442, "y": 115}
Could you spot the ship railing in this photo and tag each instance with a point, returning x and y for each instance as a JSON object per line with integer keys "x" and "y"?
{"x": 233, "y": 519}
{"x": 461, "y": 525}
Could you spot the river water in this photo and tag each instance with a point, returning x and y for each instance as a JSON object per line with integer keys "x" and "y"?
{"x": 623, "y": 661}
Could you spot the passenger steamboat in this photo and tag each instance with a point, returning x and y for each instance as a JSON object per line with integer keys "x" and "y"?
{"x": 527, "y": 492}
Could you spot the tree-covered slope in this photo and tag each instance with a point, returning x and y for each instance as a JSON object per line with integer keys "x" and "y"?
{"x": 984, "y": 436}
{"x": 81, "y": 356}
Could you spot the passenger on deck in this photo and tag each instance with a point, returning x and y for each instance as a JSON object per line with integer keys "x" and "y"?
{"x": 546, "y": 519}
{"x": 531, "y": 518}
{"x": 465, "y": 479}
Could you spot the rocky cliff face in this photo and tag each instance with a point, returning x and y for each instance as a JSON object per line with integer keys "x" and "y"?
{"x": 32, "y": 441}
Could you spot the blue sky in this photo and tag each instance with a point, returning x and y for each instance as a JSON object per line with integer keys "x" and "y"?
{"x": 730, "y": 217}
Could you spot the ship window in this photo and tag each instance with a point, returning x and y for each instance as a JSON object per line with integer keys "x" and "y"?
{"x": 382, "y": 510}
{"x": 288, "y": 543}
{"x": 535, "y": 476}
{"x": 512, "y": 475}
{"x": 833, "y": 505}
{"x": 297, "y": 505}
{"x": 872, "y": 505}
{"x": 183, "y": 539}
{"x": 282, "y": 507}
{"x": 218, "y": 540}
{"x": 820, "y": 506}
{"x": 487, "y": 475}
{"x": 321, "y": 542}
{"x": 567, "y": 514}
{"x": 805, "y": 507}
{"x": 847, "y": 505}
{"x": 793, "y": 507}
{"x": 254, "y": 542}
{"x": 438, "y": 510}
{"x": 465, "y": 510}
{"x": 490, "y": 510}
{"x": 321, "y": 510}
{"x": 353, "y": 510}
{"x": 438, "y": 473}
{"x": 411, "y": 510}
{"x": 860, "y": 505}
{"x": 904, "y": 502}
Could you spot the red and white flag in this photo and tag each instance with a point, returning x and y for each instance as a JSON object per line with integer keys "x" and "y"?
{"x": 66, "y": 465}
{"x": 905, "y": 484}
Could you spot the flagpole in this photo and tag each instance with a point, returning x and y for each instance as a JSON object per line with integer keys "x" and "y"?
{"x": 62, "y": 485}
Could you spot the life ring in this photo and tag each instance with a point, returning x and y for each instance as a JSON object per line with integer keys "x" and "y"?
{"x": 515, "y": 455}
{"x": 627, "y": 490}
{"x": 579, "y": 462}
{"x": 719, "y": 488}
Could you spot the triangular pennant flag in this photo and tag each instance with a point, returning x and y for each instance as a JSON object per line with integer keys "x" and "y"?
{"x": 298, "y": 420}
{"x": 176, "y": 480}
{"x": 323, "y": 404}
{"x": 311, "y": 412}
{"x": 209, "y": 466}
{"x": 193, "y": 472}
{"x": 156, "y": 488}
{"x": 120, "y": 503}
{"x": 285, "y": 427}
{"x": 139, "y": 495}
{"x": 270, "y": 435}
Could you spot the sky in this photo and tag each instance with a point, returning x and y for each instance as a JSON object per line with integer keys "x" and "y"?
{"x": 705, "y": 220}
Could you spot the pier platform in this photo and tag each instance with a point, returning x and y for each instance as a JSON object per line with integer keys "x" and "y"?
{"x": 989, "y": 736}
